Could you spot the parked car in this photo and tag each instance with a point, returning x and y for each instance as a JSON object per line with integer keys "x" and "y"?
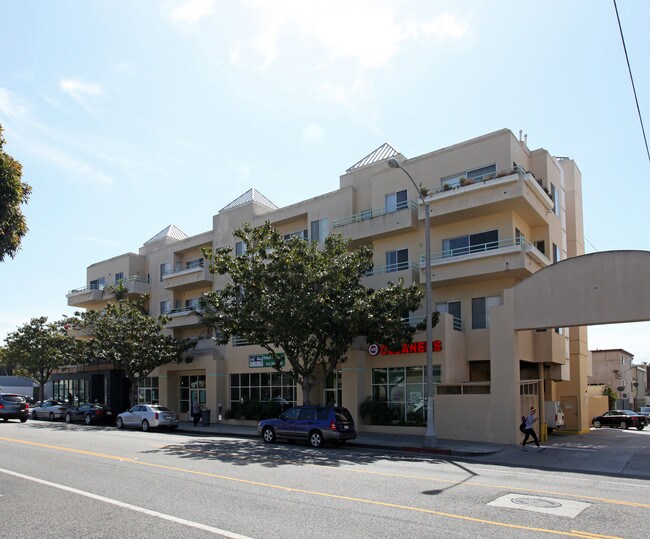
{"x": 90, "y": 414}
{"x": 645, "y": 411}
{"x": 619, "y": 418}
{"x": 316, "y": 424}
{"x": 13, "y": 406}
{"x": 148, "y": 416}
{"x": 49, "y": 409}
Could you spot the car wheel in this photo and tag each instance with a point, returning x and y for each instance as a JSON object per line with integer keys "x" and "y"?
{"x": 68, "y": 418}
{"x": 88, "y": 419}
{"x": 5, "y": 419}
{"x": 51, "y": 416}
{"x": 23, "y": 419}
{"x": 640, "y": 427}
{"x": 120, "y": 423}
{"x": 268, "y": 435}
{"x": 316, "y": 438}
{"x": 624, "y": 425}
{"x": 145, "y": 425}
{"x": 597, "y": 424}
{"x": 34, "y": 416}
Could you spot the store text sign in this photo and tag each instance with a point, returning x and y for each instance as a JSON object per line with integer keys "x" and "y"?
{"x": 264, "y": 360}
{"x": 419, "y": 347}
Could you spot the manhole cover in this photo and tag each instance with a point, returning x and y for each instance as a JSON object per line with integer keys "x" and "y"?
{"x": 536, "y": 502}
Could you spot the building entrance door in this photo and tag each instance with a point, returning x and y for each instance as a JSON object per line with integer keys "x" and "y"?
{"x": 570, "y": 408}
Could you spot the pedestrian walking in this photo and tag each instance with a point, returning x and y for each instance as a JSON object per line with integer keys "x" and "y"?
{"x": 196, "y": 411}
{"x": 529, "y": 431}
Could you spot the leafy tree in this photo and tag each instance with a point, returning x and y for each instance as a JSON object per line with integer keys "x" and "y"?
{"x": 37, "y": 348}
{"x": 13, "y": 193}
{"x": 125, "y": 335}
{"x": 304, "y": 300}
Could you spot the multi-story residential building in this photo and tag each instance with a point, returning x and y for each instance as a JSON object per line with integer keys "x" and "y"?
{"x": 614, "y": 369}
{"x": 499, "y": 213}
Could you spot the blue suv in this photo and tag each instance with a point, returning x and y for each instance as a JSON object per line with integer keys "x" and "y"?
{"x": 316, "y": 424}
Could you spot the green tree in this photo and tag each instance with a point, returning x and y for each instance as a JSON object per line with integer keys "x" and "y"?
{"x": 125, "y": 335}
{"x": 13, "y": 193}
{"x": 37, "y": 348}
{"x": 305, "y": 300}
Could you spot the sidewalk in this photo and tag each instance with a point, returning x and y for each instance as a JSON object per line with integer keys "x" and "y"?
{"x": 604, "y": 451}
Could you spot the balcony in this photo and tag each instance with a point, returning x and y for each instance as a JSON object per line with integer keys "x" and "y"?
{"x": 87, "y": 297}
{"x": 379, "y": 276}
{"x": 135, "y": 285}
{"x": 379, "y": 222}
{"x": 508, "y": 190}
{"x": 191, "y": 277}
{"x": 184, "y": 317}
{"x": 513, "y": 257}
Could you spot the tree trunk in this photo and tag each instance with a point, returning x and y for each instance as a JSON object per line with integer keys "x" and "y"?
{"x": 41, "y": 391}
{"x": 306, "y": 386}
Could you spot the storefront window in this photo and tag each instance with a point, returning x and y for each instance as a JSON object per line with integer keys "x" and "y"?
{"x": 263, "y": 387}
{"x": 78, "y": 389}
{"x": 148, "y": 390}
{"x": 403, "y": 389}
{"x": 192, "y": 387}
{"x": 334, "y": 388}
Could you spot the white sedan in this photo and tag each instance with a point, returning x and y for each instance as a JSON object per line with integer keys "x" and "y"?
{"x": 148, "y": 416}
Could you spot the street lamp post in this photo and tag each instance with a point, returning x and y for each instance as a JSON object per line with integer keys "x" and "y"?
{"x": 430, "y": 436}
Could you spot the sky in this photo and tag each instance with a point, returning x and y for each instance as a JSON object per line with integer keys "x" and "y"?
{"x": 129, "y": 116}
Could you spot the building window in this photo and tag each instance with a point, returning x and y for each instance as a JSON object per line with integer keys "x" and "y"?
{"x": 119, "y": 277}
{"x": 540, "y": 245}
{"x": 519, "y": 237}
{"x": 397, "y": 260}
{"x": 320, "y": 230}
{"x": 196, "y": 263}
{"x": 403, "y": 389}
{"x": 78, "y": 388}
{"x": 395, "y": 201}
{"x": 166, "y": 306}
{"x": 148, "y": 391}
{"x": 556, "y": 254}
{"x": 452, "y": 308}
{"x": 240, "y": 248}
{"x": 262, "y": 387}
{"x": 165, "y": 268}
{"x": 475, "y": 174}
{"x": 555, "y": 197}
{"x": 334, "y": 388}
{"x": 471, "y": 243}
{"x": 479, "y": 371}
{"x": 98, "y": 284}
{"x": 192, "y": 303}
{"x": 192, "y": 387}
{"x": 481, "y": 172}
{"x": 481, "y": 309}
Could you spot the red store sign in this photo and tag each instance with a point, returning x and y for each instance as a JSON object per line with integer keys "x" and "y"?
{"x": 419, "y": 347}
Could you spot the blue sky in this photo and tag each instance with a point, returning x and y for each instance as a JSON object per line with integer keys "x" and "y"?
{"x": 128, "y": 116}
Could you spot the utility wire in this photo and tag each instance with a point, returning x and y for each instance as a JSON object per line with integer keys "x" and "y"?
{"x": 638, "y": 109}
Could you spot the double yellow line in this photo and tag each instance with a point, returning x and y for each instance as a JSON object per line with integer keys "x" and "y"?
{"x": 572, "y": 533}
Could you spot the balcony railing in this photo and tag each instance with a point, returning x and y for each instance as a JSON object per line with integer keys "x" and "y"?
{"x": 391, "y": 268}
{"x": 184, "y": 310}
{"x": 458, "y": 324}
{"x": 190, "y": 266}
{"x": 462, "y": 182}
{"x": 131, "y": 279}
{"x": 372, "y": 213}
{"x": 450, "y": 254}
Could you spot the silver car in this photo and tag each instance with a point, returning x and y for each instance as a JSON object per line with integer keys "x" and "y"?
{"x": 49, "y": 409}
{"x": 148, "y": 416}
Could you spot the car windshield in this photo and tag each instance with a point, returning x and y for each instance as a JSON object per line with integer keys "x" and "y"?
{"x": 13, "y": 398}
{"x": 629, "y": 412}
{"x": 161, "y": 409}
{"x": 343, "y": 414}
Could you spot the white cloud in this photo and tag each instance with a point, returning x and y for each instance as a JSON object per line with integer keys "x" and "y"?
{"x": 192, "y": 11}
{"x": 12, "y": 106}
{"x": 80, "y": 91}
{"x": 313, "y": 135}
{"x": 73, "y": 165}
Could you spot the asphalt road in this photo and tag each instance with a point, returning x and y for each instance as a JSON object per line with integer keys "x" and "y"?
{"x": 60, "y": 480}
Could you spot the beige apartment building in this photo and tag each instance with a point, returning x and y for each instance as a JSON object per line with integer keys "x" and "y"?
{"x": 613, "y": 368}
{"x": 499, "y": 213}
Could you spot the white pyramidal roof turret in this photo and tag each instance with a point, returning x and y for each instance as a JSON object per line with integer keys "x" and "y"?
{"x": 385, "y": 151}
{"x": 252, "y": 195}
{"x": 171, "y": 232}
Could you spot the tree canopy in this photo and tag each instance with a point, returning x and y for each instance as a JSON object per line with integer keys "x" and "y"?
{"x": 125, "y": 335}
{"x": 37, "y": 348}
{"x": 13, "y": 193}
{"x": 304, "y": 300}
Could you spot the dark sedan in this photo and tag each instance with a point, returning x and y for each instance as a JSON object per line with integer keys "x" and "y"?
{"x": 619, "y": 418}
{"x": 90, "y": 414}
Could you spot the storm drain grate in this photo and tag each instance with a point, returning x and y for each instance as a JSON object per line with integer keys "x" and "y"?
{"x": 537, "y": 502}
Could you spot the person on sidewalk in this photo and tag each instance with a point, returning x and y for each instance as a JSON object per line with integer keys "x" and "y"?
{"x": 530, "y": 430}
{"x": 196, "y": 411}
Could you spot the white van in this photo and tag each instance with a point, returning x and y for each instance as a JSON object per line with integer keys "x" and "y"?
{"x": 554, "y": 415}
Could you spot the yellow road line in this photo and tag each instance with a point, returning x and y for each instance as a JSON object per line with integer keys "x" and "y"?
{"x": 129, "y": 460}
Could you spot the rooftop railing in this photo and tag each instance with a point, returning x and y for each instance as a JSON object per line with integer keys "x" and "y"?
{"x": 507, "y": 243}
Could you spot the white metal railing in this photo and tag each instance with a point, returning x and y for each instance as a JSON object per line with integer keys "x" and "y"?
{"x": 189, "y": 266}
{"x": 458, "y": 324}
{"x": 462, "y": 181}
{"x": 375, "y": 212}
{"x": 132, "y": 278}
{"x": 185, "y": 310}
{"x": 523, "y": 244}
{"x": 391, "y": 268}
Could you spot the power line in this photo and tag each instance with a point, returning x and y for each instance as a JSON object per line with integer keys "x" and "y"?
{"x": 627, "y": 59}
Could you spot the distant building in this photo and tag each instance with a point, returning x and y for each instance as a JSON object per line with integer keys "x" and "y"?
{"x": 17, "y": 384}
{"x": 614, "y": 368}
